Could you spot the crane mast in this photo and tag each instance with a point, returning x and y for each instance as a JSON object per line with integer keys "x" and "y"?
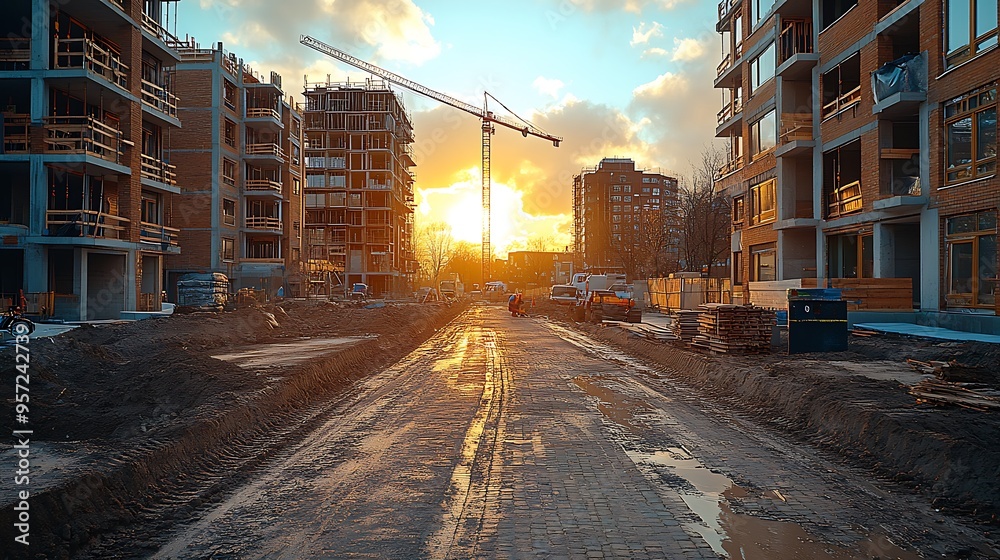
{"x": 487, "y": 116}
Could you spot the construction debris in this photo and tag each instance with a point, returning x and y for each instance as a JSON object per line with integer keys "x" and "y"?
{"x": 645, "y": 330}
{"x": 939, "y": 391}
{"x": 961, "y": 394}
{"x": 734, "y": 329}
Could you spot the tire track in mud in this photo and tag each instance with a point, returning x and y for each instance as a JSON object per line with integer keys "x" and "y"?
{"x": 808, "y": 493}
{"x": 463, "y": 523}
{"x": 150, "y": 489}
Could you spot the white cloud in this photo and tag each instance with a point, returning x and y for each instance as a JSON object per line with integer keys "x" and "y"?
{"x": 665, "y": 83}
{"x": 641, "y": 35}
{"x": 548, "y": 86}
{"x": 398, "y": 29}
{"x": 655, "y": 51}
{"x": 687, "y": 50}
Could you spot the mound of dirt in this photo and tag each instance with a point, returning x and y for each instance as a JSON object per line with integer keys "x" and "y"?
{"x": 113, "y": 382}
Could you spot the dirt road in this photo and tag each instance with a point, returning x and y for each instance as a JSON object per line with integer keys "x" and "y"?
{"x": 503, "y": 437}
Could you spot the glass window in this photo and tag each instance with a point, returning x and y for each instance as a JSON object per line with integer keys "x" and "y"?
{"x": 763, "y": 264}
{"x": 762, "y": 202}
{"x": 228, "y": 212}
{"x": 762, "y": 134}
{"x": 738, "y": 209}
{"x": 971, "y": 136}
{"x": 762, "y": 68}
{"x": 228, "y": 249}
{"x": 970, "y": 28}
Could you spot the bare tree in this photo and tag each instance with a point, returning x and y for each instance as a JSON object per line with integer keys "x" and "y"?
{"x": 705, "y": 215}
{"x": 434, "y": 248}
{"x": 466, "y": 261}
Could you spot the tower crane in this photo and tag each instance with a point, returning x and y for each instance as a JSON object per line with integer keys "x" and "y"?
{"x": 487, "y": 117}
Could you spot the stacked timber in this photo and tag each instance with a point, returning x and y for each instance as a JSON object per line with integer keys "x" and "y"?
{"x": 202, "y": 291}
{"x": 734, "y": 329}
{"x": 684, "y": 324}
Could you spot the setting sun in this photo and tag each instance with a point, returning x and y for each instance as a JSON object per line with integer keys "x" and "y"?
{"x": 459, "y": 205}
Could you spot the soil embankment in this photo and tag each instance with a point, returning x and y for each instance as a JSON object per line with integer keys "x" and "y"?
{"x": 130, "y": 417}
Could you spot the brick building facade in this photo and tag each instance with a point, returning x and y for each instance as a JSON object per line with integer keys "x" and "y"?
{"x": 862, "y": 140}
{"x": 85, "y": 182}
{"x": 619, "y": 213}
{"x": 239, "y": 159}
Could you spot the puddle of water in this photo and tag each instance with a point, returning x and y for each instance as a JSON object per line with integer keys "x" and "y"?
{"x": 618, "y": 408}
{"x": 283, "y": 354}
{"x": 744, "y": 537}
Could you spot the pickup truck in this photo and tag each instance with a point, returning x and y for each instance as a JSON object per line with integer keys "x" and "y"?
{"x": 564, "y": 294}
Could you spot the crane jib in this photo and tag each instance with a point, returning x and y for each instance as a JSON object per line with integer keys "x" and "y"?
{"x": 483, "y": 114}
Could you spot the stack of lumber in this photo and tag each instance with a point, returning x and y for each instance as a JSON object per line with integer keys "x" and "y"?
{"x": 734, "y": 329}
{"x": 684, "y": 324}
{"x": 860, "y": 293}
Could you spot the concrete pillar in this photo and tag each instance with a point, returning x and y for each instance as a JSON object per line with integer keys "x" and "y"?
{"x": 40, "y": 35}
{"x": 883, "y": 246}
{"x": 133, "y": 277}
{"x": 930, "y": 260}
{"x": 38, "y": 179}
{"x": 80, "y": 279}
{"x": 36, "y": 270}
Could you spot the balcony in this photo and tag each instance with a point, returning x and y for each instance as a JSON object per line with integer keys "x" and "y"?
{"x": 900, "y": 87}
{"x": 729, "y": 73}
{"x": 844, "y": 200}
{"x": 796, "y": 137}
{"x": 15, "y": 133}
{"x": 268, "y": 223}
{"x": 152, "y": 25}
{"x": 155, "y": 169}
{"x": 157, "y": 233}
{"x": 730, "y": 166}
{"x": 796, "y": 55}
{"x": 730, "y": 116}
{"x": 725, "y": 8}
{"x": 262, "y": 185}
{"x": 94, "y": 55}
{"x": 85, "y": 223}
{"x": 83, "y": 135}
{"x": 15, "y": 53}
{"x": 262, "y": 113}
{"x": 265, "y": 150}
{"x": 158, "y": 98}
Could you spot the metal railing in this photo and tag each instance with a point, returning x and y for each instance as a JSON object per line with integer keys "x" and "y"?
{"x": 155, "y": 169}
{"x": 85, "y": 223}
{"x": 159, "y": 98}
{"x": 158, "y": 233}
{"x": 726, "y": 6}
{"x": 844, "y": 199}
{"x": 795, "y": 38}
{"x": 88, "y": 135}
{"x": 727, "y": 61}
{"x": 93, "y": 54}
{"x": 263, "y": 222}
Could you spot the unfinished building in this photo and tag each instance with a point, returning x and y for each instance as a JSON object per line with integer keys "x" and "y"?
{"x": 240, "y": 161}
{"x": 85, "y": 185}
{"x": 359, "y": 187}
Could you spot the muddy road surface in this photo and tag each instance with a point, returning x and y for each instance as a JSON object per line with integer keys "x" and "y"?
{"x": 507, "y": 437}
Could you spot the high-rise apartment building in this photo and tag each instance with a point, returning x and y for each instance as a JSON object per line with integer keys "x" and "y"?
{"x": 239, "y": 162}
{"x": 359, "y": 187}
{"x": 88, "y": 105}
{"x": 624, "y": 218}
{"x": 862, "y": 140}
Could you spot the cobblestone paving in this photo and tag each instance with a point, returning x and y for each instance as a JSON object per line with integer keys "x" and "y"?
{"x": 514, "y": 438}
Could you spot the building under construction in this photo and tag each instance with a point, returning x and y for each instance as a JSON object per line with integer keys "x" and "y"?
{"x": 359, "y": 187}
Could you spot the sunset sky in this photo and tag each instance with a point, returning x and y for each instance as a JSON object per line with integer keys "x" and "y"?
{"x": 615, "y": 78}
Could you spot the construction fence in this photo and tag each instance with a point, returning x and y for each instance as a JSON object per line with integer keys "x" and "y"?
{"x": 672, "y": 294}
